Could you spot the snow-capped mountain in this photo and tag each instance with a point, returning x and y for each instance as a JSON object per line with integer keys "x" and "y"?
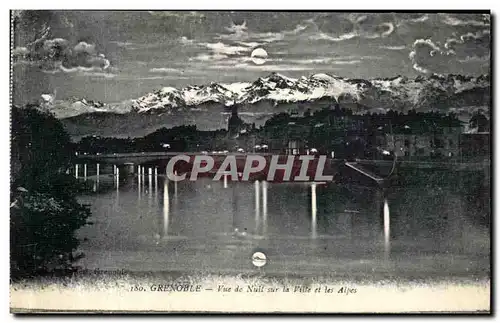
{"x": 213, "y": 92}
{"x": 191, "y": 96}
{"x": 208, "y": 106}
{"x": 394, "y": 93}
{"x": 76, "y": 106}
{"x": 163, "y": 99}
{"x": 280, "y": 89}
{"x": 446, "y": 93}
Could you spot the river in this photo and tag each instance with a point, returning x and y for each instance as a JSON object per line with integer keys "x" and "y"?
{"x": 149, "y": 224}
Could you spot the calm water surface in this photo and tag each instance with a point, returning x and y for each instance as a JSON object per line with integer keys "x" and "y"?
{"x": 148, "y": 223}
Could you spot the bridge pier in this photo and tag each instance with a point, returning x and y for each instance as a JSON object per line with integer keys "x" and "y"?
{"x": 139, "y": 183}
{"x": 97, "y": 173}
{"x": 129, "y": 168}
{"x": 117, "y": 178}
{"x": 156, "y": 184}
{"x": 150, "y": 186}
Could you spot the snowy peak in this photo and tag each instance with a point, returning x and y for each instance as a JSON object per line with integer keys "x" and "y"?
{"x": 397, "y": 93}
{"x": 213, "y": 92}
{"x": 88, "y": 103}
{"x": 389, "y": 93}
{"x": 161, "y": 99}
{"x": 275, "y": 80}
{"x": 280, "y": 89}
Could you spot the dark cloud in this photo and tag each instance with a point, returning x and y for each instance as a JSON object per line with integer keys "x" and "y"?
{"x": 178, "y": 14}
{"x": 54, "y": 54}
{"x": 413, "y": 17}
{"x": 480, "y": 20}
{"x": 339, "y": 27}
{"x": 428, "y": 56}
{"x": 470, "y": 44}
{"x": 58, "y": 54}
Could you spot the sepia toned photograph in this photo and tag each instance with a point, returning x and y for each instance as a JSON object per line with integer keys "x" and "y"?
{"x": 250, "y": 162}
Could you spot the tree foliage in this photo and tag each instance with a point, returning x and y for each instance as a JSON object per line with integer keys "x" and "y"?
{"x": 44, "y": 212}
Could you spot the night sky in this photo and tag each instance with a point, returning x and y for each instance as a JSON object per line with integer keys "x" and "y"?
{"x": 116, "y": 56}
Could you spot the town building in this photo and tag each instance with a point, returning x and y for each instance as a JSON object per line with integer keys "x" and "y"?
{"x": 475, "y": 146}
{"x": 420, "y": 146}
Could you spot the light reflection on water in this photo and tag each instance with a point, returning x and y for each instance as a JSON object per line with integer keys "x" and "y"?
{"x": 298, "y": 224}
{"x": 166, "y": 209}
{"x": 387, "y": 229}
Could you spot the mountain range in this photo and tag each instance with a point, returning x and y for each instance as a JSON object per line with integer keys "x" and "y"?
{"x": 208, "y": 106}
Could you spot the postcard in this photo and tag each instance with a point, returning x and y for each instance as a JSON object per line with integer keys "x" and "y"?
{"x": 250, "y": 162}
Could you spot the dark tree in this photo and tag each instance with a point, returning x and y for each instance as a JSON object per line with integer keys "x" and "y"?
{"x": 44, "y": 212}
{"x": 40, "y": 147}
{"x": 479, "y": 121}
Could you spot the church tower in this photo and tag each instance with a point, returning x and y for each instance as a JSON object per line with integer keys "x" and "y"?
{"x": 234, "y": 122}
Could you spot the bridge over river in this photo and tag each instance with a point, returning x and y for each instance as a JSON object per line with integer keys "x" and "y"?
{"x": 149, "y": 157}
{"x": 373, "y": 170}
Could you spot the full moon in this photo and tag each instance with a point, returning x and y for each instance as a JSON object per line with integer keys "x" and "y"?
{"x": 259, "y": 56}
{"x": 259, "y": 259}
